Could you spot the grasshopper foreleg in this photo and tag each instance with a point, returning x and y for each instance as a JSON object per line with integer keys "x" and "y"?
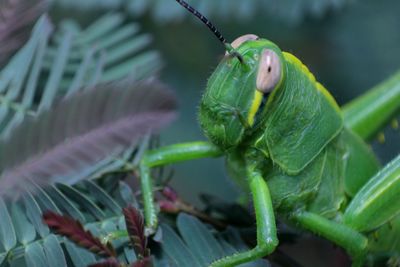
{"x": 163, "y": 156}
{"x": 266, "y": 227}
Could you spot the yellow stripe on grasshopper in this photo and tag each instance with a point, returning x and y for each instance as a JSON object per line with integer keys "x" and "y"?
{"x": 328, "y": 96}
{"x": 258, "y": 96}
{"x": 291, "y": 58}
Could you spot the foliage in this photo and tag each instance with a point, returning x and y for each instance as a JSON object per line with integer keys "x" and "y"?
{"x": 52, "y": 65}
{"x": 16, "y": 20}
{"x": 197, "y": 246}
{"x": 74, "y": 231}
{"x": 80, "y": 131}
{"x": 194, "y": 244}
{"x": 26, "y": 241}
{"x": 68, "y": 62}
{"x": 167, "y": 10}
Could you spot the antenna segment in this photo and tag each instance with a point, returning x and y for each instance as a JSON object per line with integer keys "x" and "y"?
{"x": 221, "y": 38}
{"x": 203, "y": 19}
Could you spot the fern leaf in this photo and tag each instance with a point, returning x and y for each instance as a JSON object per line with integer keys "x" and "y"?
{"x": 8, "y": 238}
{"x": 188, "y": 242}
{"x": 80, "y": 131}
{"x": 53, "y": 251}
{"x": 27, "y": 217}
{"x": 196, "y": 245}
{"x": 16, "y": 20}
{"x": 34, "y": 255}
{"x": 53, "y": 64}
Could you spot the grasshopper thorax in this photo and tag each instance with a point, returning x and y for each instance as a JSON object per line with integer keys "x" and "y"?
{"x": 237, "y": 91}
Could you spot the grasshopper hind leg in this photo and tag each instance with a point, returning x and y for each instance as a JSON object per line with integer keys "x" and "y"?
{"x": 355, "y": 243}
{"x": 384, "y": 243}
{"x": 369, "y": 113}
{"x": 375, "y": 210}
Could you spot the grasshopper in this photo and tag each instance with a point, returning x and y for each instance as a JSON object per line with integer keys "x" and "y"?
{"x": 300, "y": 156}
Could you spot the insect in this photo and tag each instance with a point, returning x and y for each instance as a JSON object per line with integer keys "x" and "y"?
{"x": 288, "y": 143}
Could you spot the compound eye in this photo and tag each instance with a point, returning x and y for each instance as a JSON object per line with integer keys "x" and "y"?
{"x": 269, "y": 71}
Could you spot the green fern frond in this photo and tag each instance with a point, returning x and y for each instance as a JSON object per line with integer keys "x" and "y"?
{"x": 16, "y": 20}
{"x": 29, "y": 243}
{"x": 54, "y": 64}
{"x": 51, "y": 65}
{"x": 195, "y": 244}
{"x": 26, "y": 241}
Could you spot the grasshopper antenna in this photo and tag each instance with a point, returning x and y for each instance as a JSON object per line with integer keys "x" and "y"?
{"x": 212, "y": 28}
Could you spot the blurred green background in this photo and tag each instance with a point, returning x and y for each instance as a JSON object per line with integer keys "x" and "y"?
{"x": 350, "y": 46}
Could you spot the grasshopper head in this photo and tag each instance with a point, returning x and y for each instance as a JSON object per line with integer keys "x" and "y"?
{"x": 238, "y": 88}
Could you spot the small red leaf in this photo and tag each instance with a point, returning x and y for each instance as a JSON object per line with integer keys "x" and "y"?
{"x": 170, "y": 194}
{"x": 73, "y": 230}
{"x": 168, "y": 206}
{"x": 135, "y": 226}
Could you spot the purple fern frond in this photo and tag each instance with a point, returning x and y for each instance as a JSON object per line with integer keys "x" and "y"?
{"x": 81, "y": 130}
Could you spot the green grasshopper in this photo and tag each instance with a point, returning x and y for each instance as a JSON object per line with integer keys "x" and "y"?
{"x": 302, "y": 158}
